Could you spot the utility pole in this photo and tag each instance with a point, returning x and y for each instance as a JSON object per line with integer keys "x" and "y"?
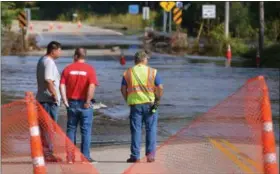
{"x": 226, "y": 19}
{"x": 228, "y": 55}
{"x": 261, "y": 28}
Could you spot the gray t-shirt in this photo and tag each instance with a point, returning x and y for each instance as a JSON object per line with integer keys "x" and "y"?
{"x": 46, "y": 69}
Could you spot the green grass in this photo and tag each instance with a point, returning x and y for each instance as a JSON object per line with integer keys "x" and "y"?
{"x": 131, "y": 24}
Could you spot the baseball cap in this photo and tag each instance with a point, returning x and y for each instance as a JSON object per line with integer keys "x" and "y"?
{"x": 140, "y": 55}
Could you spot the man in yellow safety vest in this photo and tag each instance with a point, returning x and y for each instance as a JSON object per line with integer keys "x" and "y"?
{"x": 142, "y": 90}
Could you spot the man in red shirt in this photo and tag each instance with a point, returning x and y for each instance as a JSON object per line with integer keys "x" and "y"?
{"x": 77, "y": 88}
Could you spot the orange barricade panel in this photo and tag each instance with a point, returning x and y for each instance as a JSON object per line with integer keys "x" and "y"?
{"x": 16, "y": 148}
{"x": 227, "y": 139}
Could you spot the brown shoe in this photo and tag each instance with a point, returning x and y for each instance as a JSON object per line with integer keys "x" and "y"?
{"x": 132, "y": 160}
{"x": 150, "y": 160}
{"x": 52, "y": 158}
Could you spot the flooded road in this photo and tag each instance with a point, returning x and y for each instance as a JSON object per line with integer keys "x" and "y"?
{"x": 84, "y": 39}
{"x": 192, "y": 86}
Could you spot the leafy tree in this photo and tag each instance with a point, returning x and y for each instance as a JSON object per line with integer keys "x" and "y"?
{"x": 240, "y": 20}
{"x": 7, "y": 14}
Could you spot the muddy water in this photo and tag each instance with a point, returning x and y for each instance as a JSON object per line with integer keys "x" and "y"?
{"x": 192, "y": 86}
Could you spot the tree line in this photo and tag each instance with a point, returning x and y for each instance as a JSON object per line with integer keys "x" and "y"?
{"x": 244, "y": 16}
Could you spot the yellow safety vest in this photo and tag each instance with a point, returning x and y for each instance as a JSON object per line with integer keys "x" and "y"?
{"x": 135, "y": 93}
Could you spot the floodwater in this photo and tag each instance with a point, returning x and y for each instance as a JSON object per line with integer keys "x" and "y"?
{"x": 192, "y": 86}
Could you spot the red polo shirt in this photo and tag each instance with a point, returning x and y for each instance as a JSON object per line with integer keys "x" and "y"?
{"x": 77, "y": 77}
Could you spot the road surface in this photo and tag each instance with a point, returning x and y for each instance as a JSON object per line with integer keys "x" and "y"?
{"x": 71, "y": 35}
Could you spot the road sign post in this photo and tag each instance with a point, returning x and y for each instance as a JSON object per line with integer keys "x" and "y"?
{"x": 146, "y": 15}
{"x": 170, "y": 22}
{"x": 167, "y": 7}
{"x": 28, "y": 13}
{"x": 164, "y": 21}
{"x": 22, "y": 19}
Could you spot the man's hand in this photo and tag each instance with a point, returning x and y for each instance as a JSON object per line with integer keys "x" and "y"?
{"x": 66, "y": 104}
{"x": 55, "y": 99}
{"x": 87, "y": 105}
{"x": 63, "y": 95}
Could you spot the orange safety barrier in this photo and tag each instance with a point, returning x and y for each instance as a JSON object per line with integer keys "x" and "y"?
{"x": 235, "y": 136}
{"x": 21, "y": 145}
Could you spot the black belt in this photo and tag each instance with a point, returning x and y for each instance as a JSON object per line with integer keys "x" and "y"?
{"x": 70, "y": 99}
{"x": 92, "y": 101}
{"x": 141, "y": 104}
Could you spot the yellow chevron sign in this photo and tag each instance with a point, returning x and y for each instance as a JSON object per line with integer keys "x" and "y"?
{"x": 177, "y": 16}
{"x": 167, "y": 6}
{"x": 22, "y": 19}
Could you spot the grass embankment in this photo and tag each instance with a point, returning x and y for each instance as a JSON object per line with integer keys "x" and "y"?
{"x": 12, "y": 43}
{"x": 127, "y": 23}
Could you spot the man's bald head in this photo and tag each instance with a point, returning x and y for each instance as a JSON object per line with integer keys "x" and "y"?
{"x": 80, "y": 53}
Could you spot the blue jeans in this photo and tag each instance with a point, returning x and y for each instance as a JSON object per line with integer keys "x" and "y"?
{"x": 138, "y": 114}
{"x": 47, "y": 132}
{"x": 77, "y": 113}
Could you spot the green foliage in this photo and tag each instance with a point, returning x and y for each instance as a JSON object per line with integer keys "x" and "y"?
{"x": 120, "y": 20}
{"x": 273, "y": 30}
{"x": 8, "y": 13}
{"x": 217, "y": 44}
{"x": 238, "y": 46}
{"x": 240, "y": 19}
{"x": 62, "y": 17}
{"x": 269, "y": 58}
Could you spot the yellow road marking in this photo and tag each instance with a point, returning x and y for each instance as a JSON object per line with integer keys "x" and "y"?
{"x": 248, "y": 159}
{"x": 232, "y": 157}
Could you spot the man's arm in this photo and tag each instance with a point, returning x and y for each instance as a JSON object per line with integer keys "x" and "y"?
{"x": 159, "y": 87}
{"x": 63, "y": 94}
{"x": 124, "y": 92}
{"x": 63, "y": 89}
{"x": 159, "y": 92}
{"x": 124, "y": 89}
{"x": 91, "y": 88}
{"x": 90, "y": 93}
{"x": 49, "y": 80}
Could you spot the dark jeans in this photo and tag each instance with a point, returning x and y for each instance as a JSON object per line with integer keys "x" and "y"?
{"x": 138, "y": 114}
{"x": 47, "y": 129}
{"x": 77, "y": 113}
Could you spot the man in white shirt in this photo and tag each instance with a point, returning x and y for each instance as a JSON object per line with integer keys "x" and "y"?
{"x": 48, "y": 95}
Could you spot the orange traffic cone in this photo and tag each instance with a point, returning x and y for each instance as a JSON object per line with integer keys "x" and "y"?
{"x": 228, "y": 55}
{"x": 122, "y": 60}
{"x": 79, "y": 24}
{"x": 31, "y": 27}
{"x": 39, "y": 166}
{"x": 258, "y": 59}
{"x": 50, "y": 26}
{"x": 59, "y": 26}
